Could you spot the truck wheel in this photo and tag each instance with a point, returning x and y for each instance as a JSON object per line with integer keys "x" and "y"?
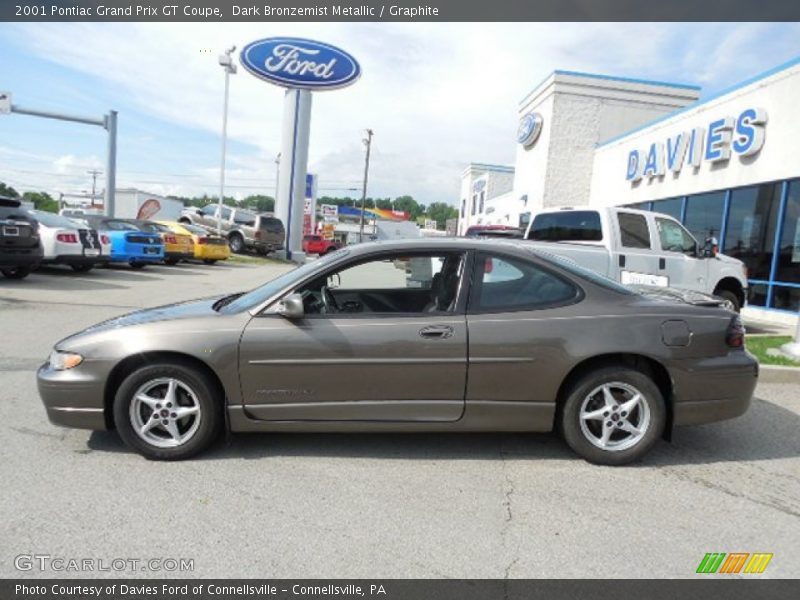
{"x": 237, "y": 243}
{"x": 730, "y": 297}
{"x": 17, "y": 272}
{"x": 613, "y": 415}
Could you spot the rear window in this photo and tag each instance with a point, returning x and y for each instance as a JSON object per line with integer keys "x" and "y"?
{"x": 271, "y": 224}
{"x": 567, "y": 226}
{"x": 52, "y": 220}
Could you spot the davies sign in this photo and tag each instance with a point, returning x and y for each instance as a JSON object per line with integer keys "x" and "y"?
{"x": 743, "y": 135}
{"x": 300, "y": 63}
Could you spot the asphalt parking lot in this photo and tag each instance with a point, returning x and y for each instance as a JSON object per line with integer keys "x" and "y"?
{"x": 311, "y": 505}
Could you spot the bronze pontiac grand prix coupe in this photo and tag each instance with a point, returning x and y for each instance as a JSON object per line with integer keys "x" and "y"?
{"x": 423, "y": 335}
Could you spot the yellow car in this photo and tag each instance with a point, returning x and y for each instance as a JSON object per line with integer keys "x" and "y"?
{"x": 208, "y": 247}
{"x": 177, "y": 246}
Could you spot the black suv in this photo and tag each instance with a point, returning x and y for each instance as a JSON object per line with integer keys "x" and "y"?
{"x": 20, "y": 250}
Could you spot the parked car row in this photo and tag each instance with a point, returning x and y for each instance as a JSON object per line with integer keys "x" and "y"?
{"x": 30, "y": 238}
{"x": 243, "y": 229}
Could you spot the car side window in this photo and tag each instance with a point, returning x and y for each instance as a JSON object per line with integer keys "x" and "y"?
{"x": 226, "y": 213}
{"x": 504, "y": 283}
{"x": 389, "y": 284}
{"x": 633, "y": 230}
{"x": 674, "y": 238}
{"x": 209, "y": 210}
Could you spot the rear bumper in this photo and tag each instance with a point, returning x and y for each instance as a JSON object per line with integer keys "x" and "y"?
{"x": 77, "y": 259}
{"x": 20, "y": 258}
{"x": 714, "y": 389}
{"x": 74, "y": 398}
{"x": 179, "y": 255}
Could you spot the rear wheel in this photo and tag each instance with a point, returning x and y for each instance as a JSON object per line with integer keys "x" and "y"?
{"x": 16, "y": 272}
{"x": 613, "y": 415}
{"x": 171, "y": 261}
{"x": 210, "y": 261}
{"x": 168, "y": 411}
{"x": 730, "y": 297}
{"x": 82, "y": 268}
{"x": 236, "y": 242}
{"x": 138, "y": 265}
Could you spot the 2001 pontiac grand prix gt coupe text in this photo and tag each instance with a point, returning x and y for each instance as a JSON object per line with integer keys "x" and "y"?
{"x": 423, "y": 335}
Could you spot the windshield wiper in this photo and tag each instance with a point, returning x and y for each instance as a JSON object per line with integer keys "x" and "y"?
{"x": 225, "y": 301}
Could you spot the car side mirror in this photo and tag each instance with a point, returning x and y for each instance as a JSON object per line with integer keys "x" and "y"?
{"x": 292, "y": 307}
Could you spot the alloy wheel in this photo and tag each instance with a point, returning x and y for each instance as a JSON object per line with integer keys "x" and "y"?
{"x": 614, "y": 416}
{"x": 165, "y": 412}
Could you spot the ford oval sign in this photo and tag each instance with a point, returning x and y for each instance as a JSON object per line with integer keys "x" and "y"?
{"x": 300, "y": 63}
{"x": 530, "y": 126}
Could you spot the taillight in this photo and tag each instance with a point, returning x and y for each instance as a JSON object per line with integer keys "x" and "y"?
{"x": 734, "y": 336}
{"x": 67, "y": 238}
{"x": 202, "y": 240}
{"x": 170, "y": 239}
{"x": 104, "y": 239}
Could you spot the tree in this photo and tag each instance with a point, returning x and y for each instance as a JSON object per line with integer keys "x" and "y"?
{"x": 409, "y": 205}
{"x": 7, "y": 190}
{"x": 41, "y": 201}
{"x": 259, "y": 203}
{"x": 440, "y": 212}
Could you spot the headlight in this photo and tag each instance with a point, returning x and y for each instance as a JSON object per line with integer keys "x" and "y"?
{"x": 61, "y": 361}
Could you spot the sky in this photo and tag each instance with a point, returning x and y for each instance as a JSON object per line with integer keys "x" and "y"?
{"x": 437, "y": 96}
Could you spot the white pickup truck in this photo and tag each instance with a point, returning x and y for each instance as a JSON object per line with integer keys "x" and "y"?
{"x": 639, "y": 248}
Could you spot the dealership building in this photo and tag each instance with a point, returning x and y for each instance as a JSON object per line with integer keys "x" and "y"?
{"x": 727, "y": 165}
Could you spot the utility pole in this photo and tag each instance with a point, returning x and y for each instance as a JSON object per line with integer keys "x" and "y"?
{"x": 368, "y": 143}
{"x": 226, "y": 62}
{"x": 94, "y": 173}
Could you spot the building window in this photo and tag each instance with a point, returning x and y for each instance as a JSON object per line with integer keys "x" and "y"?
{"x": 668, "y": 206}
{"x": 789, "y": 257}
{"x": 786, "y": 298}
{"x": 640, "y": 205}
{"x": 463, "y": 207}
{"x": 483, "y": 197}
{"x": 751, "y": 224}
{"x": 474, "y": 203}
{"x": 633, "y": 230}
{"x": 704, "y": 215}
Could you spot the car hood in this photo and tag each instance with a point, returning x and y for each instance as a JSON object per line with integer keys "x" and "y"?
{"x": 169, "y": 312}
{"x": 680, "y": 295}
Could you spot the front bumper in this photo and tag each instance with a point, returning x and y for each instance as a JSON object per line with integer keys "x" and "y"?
{"x": 714, "y": 389}
{"x": 74, "y": 398}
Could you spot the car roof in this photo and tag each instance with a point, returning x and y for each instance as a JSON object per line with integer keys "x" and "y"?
{"x": 517, "y": 246}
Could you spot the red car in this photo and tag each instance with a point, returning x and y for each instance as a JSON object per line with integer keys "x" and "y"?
{"x": 316, "y": 244}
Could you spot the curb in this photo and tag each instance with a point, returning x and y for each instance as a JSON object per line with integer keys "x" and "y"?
{"x": 776, "y": 374}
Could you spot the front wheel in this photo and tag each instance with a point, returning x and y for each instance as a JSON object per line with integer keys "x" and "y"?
{"x": 210, "y": 261}
{"x": 168, "y": 412}
{"x": 613, "y": 415}
{"x": 16, "y": 272}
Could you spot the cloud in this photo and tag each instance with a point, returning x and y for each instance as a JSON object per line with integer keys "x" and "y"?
{"x": 437, "y": 95}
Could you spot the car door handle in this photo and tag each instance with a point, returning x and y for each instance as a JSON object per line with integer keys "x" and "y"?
{"x": 662, "y": 263}
{"x": 436, "y": 332}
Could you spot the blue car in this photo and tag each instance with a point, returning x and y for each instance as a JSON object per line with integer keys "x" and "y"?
{"x": 129, "y": 244}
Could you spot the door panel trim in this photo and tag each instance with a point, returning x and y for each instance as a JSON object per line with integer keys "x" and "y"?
{"x": 403, "y": 411}
{"x": 356, "y": 361}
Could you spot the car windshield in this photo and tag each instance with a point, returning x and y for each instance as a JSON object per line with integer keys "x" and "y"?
{"x": 261, "y": 294}
{"x": 592, "y": 276}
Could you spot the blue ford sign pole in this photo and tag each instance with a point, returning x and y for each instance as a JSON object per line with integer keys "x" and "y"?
{"x": 301, "y": 66}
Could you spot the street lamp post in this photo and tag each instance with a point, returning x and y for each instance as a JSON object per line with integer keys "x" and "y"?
{"x": 226, "y": 62}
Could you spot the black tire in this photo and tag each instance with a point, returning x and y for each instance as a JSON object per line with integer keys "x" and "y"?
{"x": 730, "y": 297}
{"x": 138, "y": 265}
{"x": 16, "y": 272}
{"x": 210, "y": 261}
{"x": 82, "y": 268}
{"x": 171, "y": 261}
{"x": 570, "y": 421}
{"x": 207, "y": 398}
{"x": 236, "y": 242}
